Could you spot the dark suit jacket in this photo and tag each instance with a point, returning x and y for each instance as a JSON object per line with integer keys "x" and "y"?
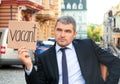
{"x": 89, "y": 57}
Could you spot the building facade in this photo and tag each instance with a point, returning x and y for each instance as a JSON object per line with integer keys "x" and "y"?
{"x": 20, "y": 10}
{"x": 77, "y": 9}
{"x": 43, "y": 11}
{"x": 47, "y": 18}
{"x": 111, "y": 35}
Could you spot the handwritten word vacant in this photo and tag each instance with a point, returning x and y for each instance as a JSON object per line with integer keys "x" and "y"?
{"x": 22, "y": 35}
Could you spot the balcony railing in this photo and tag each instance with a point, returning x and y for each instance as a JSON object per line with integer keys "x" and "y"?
{"x": 39, "y": 2}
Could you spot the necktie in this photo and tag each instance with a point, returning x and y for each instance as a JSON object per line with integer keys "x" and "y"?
{"x": 64, "y": 67}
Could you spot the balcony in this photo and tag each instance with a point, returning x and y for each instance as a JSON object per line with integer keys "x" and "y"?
{"x": 45, "y": 15}
{"x": 35, "y": 4}
{"x": 39, "y": 2}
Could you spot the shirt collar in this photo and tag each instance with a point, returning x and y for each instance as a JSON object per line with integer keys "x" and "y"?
{"x": 70, "y": 46}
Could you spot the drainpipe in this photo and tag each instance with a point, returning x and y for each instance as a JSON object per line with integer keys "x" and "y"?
{"x": 11, "y": 9}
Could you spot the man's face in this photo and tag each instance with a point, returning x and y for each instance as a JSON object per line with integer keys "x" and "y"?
{"x": 64, "y": 34}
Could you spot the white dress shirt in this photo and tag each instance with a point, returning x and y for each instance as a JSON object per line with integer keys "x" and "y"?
{"x": 74, "y": 71}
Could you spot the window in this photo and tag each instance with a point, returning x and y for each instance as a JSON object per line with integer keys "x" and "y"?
{"x": 80, "y": 6}
{"x": 68, "y": 6}
{"x": 63, "y": 6}
{"x": 74, "y": 6}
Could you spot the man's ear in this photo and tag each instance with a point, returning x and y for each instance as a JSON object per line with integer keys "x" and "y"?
{"x": 75, "y": 34}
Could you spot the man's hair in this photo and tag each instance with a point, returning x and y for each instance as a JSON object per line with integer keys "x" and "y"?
{"x": 66, "y": 20}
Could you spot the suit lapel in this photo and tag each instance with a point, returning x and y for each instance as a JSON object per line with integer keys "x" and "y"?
{"x": 81, "y": 54}
{"x": 53, "y": 61}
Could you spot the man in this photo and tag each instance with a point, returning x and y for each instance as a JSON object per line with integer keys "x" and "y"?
{"x": 83, "y": 60}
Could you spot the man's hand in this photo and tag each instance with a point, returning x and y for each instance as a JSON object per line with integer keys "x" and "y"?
{"x": 24, "y": 56}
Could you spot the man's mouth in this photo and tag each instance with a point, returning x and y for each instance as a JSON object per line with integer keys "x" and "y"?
{"x": 62, "y": 40}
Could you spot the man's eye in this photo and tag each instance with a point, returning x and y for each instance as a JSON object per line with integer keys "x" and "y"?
{"x": 68, "y": 31}
{"x": 59, "y": 30}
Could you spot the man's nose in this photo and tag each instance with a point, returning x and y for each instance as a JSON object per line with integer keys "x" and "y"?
{"x": 62, "y": 34}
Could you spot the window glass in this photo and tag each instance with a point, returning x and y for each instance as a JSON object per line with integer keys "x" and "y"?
{"x": 74, "y": 6}
{"x": 68, "y": 6}
{"x": 63, "y": 6}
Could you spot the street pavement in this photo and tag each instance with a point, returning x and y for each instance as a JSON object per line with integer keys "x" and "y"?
{"x": 12, "y": 75}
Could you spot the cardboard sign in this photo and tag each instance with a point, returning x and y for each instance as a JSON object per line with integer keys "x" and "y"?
{"x": 22, "y": 34}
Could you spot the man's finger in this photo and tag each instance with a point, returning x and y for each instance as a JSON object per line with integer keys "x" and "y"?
{"x": 21, "y": 50}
